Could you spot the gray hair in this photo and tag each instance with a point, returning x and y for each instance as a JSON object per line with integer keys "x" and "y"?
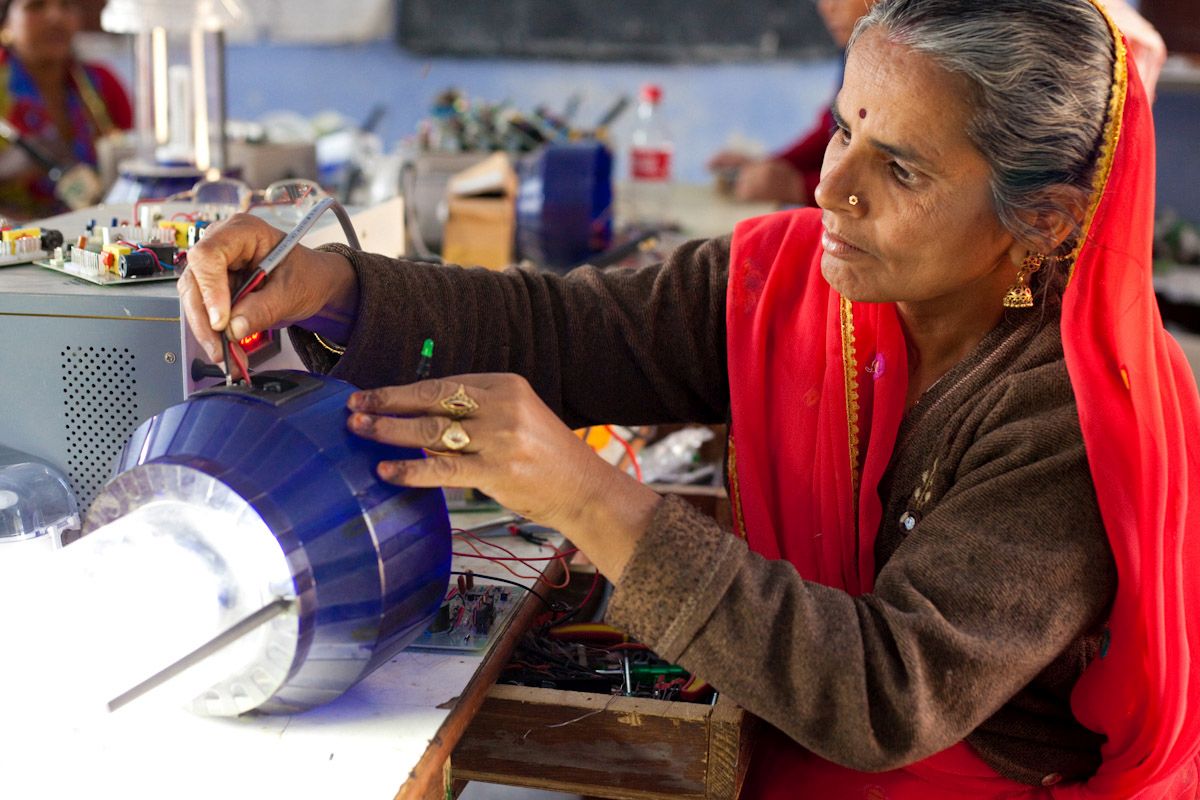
{"x": 1040, "y": 73}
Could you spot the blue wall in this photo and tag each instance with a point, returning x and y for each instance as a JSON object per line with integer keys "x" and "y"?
{"x": 704, "y": 103}
{"x": 1177, "y": 128}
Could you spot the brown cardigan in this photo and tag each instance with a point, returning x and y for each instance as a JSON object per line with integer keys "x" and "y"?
{"x": 983, "y": 615}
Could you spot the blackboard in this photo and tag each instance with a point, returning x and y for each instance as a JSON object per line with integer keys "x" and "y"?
{"x": 612, "y": 30}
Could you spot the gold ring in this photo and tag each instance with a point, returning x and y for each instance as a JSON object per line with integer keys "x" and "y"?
{"x": 460, "y": 404}
{"x": 454, "y": 437}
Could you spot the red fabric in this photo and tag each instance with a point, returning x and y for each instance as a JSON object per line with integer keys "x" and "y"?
{"x": 116, "y": 101}
{"x": 807, "y": 154}
{"x": 781, "y": 771}
{"x": 792, "y": 473}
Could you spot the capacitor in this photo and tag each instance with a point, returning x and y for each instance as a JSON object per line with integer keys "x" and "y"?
{"x": 51, "y": 239}
{"x": 138, "y": 265}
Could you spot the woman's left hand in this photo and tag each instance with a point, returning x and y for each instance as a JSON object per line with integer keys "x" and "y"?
{"x": 493, "y": 433}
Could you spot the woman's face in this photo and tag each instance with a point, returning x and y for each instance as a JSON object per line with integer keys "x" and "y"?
{"x": 923, "y": 228}
{"x": 839, "y": 17}
{"x": 42, "y": 30}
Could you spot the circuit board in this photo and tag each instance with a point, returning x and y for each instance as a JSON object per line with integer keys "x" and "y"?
{"x": 22, "y": 259}
{"x": 468, "y": 619}
{"x": 107, "y": 278}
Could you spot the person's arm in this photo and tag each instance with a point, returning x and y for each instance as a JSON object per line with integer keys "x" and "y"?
{"x": 978, "y": 600}
{"x": 617, "y": 345}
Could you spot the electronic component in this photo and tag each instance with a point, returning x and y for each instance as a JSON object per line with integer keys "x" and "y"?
{"x": 138, "y": 265}
{"x": 20, "y": 245}
{"x": 244, "y": 496}
{"x": 594, "y": 657}
{"x": 103, "y": 256}
{"x": 468, "y": 618}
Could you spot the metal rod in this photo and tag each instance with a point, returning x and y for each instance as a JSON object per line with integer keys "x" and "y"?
{"x": 240, "y": 629}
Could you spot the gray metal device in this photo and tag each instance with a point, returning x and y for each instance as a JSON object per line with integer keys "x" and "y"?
{"x": 84, "y": 365}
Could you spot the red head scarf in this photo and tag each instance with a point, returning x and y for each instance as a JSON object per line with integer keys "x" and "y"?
{"x": 814, "y": 429}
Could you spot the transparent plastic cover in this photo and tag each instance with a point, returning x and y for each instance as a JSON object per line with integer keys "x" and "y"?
{"x": 35, "y": 499}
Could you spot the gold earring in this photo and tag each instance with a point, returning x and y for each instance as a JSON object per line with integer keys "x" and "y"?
{"x": 1019, "y": 294}
{"x": 853, "y": 199}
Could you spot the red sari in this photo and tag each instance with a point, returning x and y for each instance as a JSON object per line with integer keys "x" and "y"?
{"x": 1138, "y": 410}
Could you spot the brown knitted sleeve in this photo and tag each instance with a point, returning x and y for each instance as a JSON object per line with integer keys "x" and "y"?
{"x": 631, "y": 346}
{"x": 968, "y": 610}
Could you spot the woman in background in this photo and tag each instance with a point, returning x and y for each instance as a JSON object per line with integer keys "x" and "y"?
{"x": 58, "y": 104}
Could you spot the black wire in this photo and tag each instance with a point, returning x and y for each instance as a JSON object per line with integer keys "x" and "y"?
{"x": 536, "y": 594}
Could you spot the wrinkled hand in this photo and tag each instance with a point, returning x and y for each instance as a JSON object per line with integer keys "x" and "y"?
{"x": 306, "y": 283}
{"x": 770, "y": 180}
{"x": 519, "y": 453}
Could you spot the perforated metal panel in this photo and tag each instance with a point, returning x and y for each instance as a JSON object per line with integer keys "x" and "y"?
{"x": 84, "y": 365}
{"x": 100, "y": 411}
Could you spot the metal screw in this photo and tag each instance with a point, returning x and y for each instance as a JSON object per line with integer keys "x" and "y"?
{"x": 169, "y": 358}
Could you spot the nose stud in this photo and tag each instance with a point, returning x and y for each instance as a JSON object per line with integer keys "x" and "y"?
{"x": 853, "y": 199}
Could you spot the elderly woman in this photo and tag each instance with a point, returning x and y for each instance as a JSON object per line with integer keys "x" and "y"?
{"x": 791, "y": 175}
{"x": 961, "y": 455}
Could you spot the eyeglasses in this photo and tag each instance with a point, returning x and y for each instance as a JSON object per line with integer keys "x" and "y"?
{"x": 287, "y": 200}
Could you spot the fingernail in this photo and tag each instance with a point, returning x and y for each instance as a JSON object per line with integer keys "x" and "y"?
{"x": 214, "y": 318}
{"x": 388, "y": 470}
{"x": 354, "y": 402}
{"x": 239, "y": 327}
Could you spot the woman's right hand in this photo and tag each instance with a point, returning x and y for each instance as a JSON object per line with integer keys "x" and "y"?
{"x": 306, "y": 283}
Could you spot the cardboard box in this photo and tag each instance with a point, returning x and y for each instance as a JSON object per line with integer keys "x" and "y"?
{"x": 481, "y": 224}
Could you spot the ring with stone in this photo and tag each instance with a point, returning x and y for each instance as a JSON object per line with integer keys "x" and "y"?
{"x": 460, "y": 404}
{"x": 455, "y": 437}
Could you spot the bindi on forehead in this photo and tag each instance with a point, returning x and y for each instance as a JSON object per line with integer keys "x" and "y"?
{"x": 862, "y": 113}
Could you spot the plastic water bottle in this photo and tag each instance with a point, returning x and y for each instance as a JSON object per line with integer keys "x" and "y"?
{"x": 650, "y": 155}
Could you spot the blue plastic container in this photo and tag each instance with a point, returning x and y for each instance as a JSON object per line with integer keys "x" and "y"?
{"x": 368, "y": 561}
{"x": 564, "y": 204}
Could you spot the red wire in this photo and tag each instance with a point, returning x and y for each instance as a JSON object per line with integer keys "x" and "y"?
{"x": 633, "y": 459}
{"x": 252, "y": 284}
{"x": 235, "y": 350}
{"x": 145, "y": 201}
{"x": 514, "y": 557}
{"x": 461, "y": 532}
{"x": 561, "y": 555}
{"x": 499, "y": 563}
{"x": 591, "y": 590}
{"x": 566, "y": 580}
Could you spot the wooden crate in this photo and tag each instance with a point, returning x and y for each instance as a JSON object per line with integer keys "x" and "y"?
{"x": 597, "y": 745}
{"x": 606, "y": 746}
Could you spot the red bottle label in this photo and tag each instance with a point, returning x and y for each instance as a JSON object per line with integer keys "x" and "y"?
{"x": 650, "y": 164}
